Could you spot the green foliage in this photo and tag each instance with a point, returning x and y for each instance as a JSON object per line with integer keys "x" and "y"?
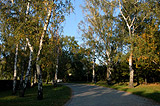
{"x": 73, "y": 61}
{"x": 104, "y": 32}
{"x": 114, "y": 35}
{"x": 17, "y": 25}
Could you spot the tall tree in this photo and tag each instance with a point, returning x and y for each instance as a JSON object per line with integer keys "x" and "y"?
{"x": 55, "y": 9}
{"x": 22, "y": 91}
{"x": 57, "y": 58}
{"x": 132, "y": 12}
{"x": 100, "y": 33}
{"x": 15, "y": 71}
{"x": 40, "y": 93}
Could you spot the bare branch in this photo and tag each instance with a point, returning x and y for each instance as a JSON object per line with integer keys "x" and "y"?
{"x": 155, "y": 63}
{"x": 132, "y": 21}
{"x": 30, "y": 47}
{"x": 123, "y": 14}
{"x": 140, "y": 22}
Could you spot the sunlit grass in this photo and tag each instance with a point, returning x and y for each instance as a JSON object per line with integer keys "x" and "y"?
{"x": 151, "y": 91}
{"x": 52, "y": 97}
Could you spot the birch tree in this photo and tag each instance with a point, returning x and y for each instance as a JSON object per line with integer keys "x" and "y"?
{"x": 15, "y": 63}
{"x": 15, "y": 71}
{"x": 100, "y": 30}
{"x": 40, "y": 93}
{"x": 57, "y": 59}
{"x": 59, "y": 9}
{"x": 132, "y": 21}
{"x": 22, "y": 91}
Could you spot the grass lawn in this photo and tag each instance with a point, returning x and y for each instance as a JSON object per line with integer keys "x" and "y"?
{"x": 151, "y": 91}
{"x": 52, "y": 97}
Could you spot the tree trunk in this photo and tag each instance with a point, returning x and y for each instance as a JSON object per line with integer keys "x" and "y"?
{"x": 40, "y": 90}
{"x": 34, "y": 81}
{"x": 29, "y": 78}
{"x": 55, "y": 77}
{"x": 22, "y": 74}
{"x": 131, "y": 83}
{"x": 48, "y": 77}
{"x": 145, "y": 81}
{"x": 138, "y": 83}
{"x": 137, "y": 74}
{"x": 93, "y": 74}
{"x": 22, "y": 91}
{"x": 35, "y": 77}
{"x": 108, "y": 68}
{"x": 56, "y": 73}
{"x": 28, "y": 74}
{"x": 129, "y": 25}
{"x": 109, "y": 75}
{"x": 22, "y": 70}
{"x": 93, "y": 70}
{"x": 15, "y": 71}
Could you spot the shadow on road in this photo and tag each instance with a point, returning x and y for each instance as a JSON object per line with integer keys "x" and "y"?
{"x": 90, "y": 95}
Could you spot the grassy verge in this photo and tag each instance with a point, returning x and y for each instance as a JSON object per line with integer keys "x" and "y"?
{"x": 151, "y": 91}
{"x": 52, "y": 97}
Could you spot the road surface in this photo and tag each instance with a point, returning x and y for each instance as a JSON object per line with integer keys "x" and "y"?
{"x": 90, "y": 95}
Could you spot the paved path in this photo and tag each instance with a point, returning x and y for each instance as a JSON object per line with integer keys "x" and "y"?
{"x": 89, "y": 95}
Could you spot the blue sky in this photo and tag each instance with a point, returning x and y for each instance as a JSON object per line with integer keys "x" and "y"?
{"x": 71, "y": 23}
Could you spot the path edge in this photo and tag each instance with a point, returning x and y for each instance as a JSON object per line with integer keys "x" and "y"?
{"x": 70, "y": 100}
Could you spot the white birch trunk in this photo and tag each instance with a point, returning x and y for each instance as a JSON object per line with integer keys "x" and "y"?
{"x": 131, "y": 83}
{"x": 28, "y": 69}
{"x": 28, "y": 73}
{"x": 22, "y": 91}
{"x": 40, "y": 90}
{"x": 56, "y": 73}
{"x": 35, "y": 77}
{"x": 34, "y": 81}
{"x": 109, "y": 73}
{"x": 108, "y": 67}
{"x": 15, "y": 71}
{"x": 93, "y": 70}
{"x": 22, "y": 72}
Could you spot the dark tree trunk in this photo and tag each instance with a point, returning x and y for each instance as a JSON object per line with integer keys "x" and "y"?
{"x": 21, "y": 80}
{"x": 40, "y": 89}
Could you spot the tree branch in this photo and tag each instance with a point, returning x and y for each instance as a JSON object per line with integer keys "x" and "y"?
{"x": 123, "y": 14}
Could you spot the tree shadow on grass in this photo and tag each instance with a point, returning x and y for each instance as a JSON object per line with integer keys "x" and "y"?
{"x": 85, "y": 94}
{"x": 154, "y": 96}
{"x": 52, "y": 96}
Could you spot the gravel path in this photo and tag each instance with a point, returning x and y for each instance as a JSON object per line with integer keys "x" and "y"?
{"x": 89, "y": 95}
